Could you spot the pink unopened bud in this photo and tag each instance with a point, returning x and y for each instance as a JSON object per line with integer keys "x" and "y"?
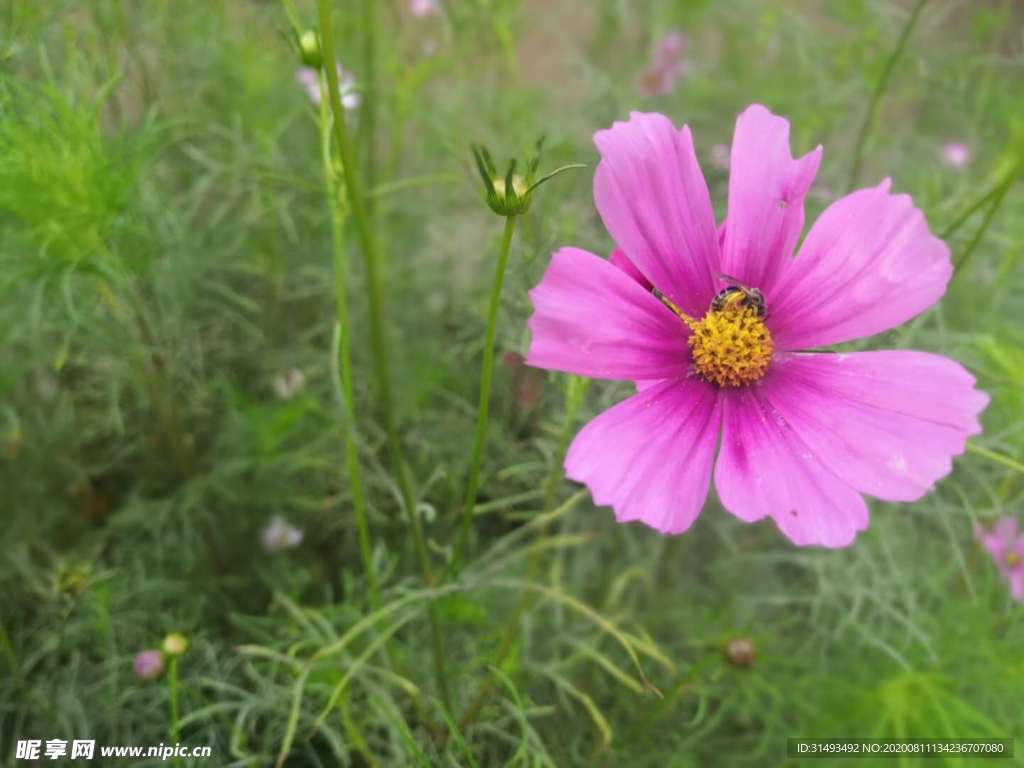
{"x": 666, "y": 65}
{"x": 148, "y": 665}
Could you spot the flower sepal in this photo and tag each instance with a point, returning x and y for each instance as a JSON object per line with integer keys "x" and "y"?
{"x": 511, "y": 194}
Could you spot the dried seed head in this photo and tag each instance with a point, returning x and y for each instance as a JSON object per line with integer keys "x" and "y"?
{"x": 739, "y": 651}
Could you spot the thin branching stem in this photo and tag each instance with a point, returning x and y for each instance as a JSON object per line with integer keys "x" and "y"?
{"x": 342, "y": 356}
{"x": 368, "y": 113}
{"x": 172, "y": 694}
{"x": 961, "y": 261}
{"x": 998, "y": 458}
{"x": 573, "y": 398}
{"x": 378, "y": 341}
{"x": 970, "y": 210}
{"x": 486, "y": 375}
{"x": 879, "y": 91}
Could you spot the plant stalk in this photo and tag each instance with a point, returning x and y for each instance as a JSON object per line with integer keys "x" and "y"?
{"x": 879, "y": 91}
{"x": 378, "y": 341}
{"x": 368, "y": 113}
{"x": 486, "y": 375}
{"x": 172, "y": 687}
{"x": 997, "y": 200}
{"x": 575, "y": 390}
{"x": 344, "y": 353}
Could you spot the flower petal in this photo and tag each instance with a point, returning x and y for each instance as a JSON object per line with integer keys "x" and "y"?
{"x": 621, "y": 260}
{"x": 868, "y": 264}
{"x": 765, "y": 468}
{"x": 1017, "y": 585}
{"x": 590, "y": 318}
{"x": 654, "y": 201}
{"x": 766, "y": 198}
{"x": 650, "y": 456}
{"x": 886, "y": 423}
{"x": 1005, "y": 529}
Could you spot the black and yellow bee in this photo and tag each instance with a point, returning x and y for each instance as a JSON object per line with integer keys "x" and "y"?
{"x": 739, "y": 295}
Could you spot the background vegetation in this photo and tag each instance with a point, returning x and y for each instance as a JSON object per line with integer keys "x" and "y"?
{"x": 166, "y": 255}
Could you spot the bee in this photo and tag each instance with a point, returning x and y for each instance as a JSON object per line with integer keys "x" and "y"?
{"x": 739, "y": 295}
{"x": 671, "y": 305}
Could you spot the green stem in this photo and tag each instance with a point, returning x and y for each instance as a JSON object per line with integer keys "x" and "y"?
{"x": 1000, "y": 193}
{"x": 880, "y": 86}
{"x": 378, "y": 342}
{"x": 998, "y": 458}
{"x": 574, "y": 392}
{"x": 969, "y": 211}
{"x": 172, "y": 686}
{"x": 368, "y": 113}
{"x": 486, "y": 373}
{"x": 343, "y": 354}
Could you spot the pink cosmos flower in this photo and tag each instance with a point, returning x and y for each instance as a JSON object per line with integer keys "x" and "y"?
{"x": 309, "y": 79}
{"x": 666, "y": 65}
{"x": 423, "y": 8}
{"x": 720, "y": 362}
{"x": 148, "y": 665}
{"x": 1005, "y": 544}
{"x": 956, "y": 154}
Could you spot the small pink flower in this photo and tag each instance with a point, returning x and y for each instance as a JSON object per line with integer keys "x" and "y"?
{"x": 148, "y": 665}
{"x": 956, "y": 154}
{"x": 309, "y": 79}
{"x": 666, "y": 65}
{"x": 720, "y": 157}
{"x": 280, "y": 535}
{"x": 423, "y": 8}
{"x": 713, "y": 321}
{"x": 1005, "y": 543}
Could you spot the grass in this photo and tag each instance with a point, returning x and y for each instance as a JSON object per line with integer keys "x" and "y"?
{"x": 167, "y": 248}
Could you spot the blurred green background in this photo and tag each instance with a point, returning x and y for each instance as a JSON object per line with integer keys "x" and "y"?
{"x": 168, "y": 386}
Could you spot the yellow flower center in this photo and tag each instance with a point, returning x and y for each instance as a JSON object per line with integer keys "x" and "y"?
{"x": 730, "y": 346}
{"x": 1013, "y": 559}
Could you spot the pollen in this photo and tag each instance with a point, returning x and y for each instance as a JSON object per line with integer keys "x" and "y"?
{"x": 730, "y": 347}
{"x": 1013, "y": 559}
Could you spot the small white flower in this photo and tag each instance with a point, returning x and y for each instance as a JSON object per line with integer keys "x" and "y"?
{"x": 288, "y": 383}
{"x": 309, "y": 79}
{"x": 280, "y": 535}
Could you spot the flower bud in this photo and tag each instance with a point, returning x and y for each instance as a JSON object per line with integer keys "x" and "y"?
{"x": 71, "y": 580}
{"x": 148, "y": 665}
{"x": 308, "y": 43}
{"x": 740, "y": 652}
{"x": 175, "y": 644}
{"x": 510, "y": 194}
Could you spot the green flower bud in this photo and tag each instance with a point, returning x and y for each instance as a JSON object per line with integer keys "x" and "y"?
{"x": 510, "y": 194}
{"x": 71, "y": 580}
{"x": 175, "y": 644}
{"x": 308, "y": 43}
